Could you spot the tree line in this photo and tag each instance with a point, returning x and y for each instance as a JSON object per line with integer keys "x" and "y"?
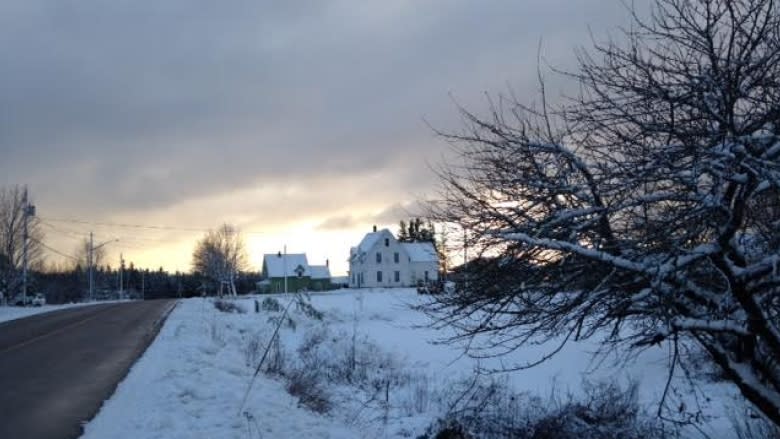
{"x": 61, "y": 283}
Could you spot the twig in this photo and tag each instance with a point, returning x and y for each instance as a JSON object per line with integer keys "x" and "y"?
{"x": 265, "y": 354}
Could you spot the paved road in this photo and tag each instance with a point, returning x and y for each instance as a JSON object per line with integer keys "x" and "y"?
{"x": 56, "y": 369}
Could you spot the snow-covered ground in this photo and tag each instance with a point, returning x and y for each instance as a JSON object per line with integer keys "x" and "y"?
{"x": 18, "y": 312}
{"x": 191, "y": 381}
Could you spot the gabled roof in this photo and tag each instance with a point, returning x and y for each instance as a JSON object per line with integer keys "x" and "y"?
{"x": 369, "y": 241}
{"x": 319, "y": 271}
{"x": 420, "y": 251}
{"x": 277, "y": 264}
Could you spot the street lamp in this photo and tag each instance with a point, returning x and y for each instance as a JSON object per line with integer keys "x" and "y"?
{"x": 92, "y": 249}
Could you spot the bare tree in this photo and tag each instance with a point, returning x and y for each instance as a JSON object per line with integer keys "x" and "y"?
{"x": 81, "y": 259}
{"x": 220, "y": 255}
{"x": 12, "y": 239}
{"x": 645, "y": 208}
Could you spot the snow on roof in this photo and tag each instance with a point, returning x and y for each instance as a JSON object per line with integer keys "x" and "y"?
{"x": 420, "y": 251}
{"x": 319, "y": 271}
{"x": 368, "y": 241}
{"x": 275, "y": 264}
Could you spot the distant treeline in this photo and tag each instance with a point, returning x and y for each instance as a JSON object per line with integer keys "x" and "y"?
{"x": 73, "y": 285}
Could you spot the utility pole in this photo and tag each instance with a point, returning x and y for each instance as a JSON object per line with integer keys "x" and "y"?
{"x": 284, "y": 265}
{"x": 28, "y": 210}
{"x": 91, "y": 258}
{"x": 89, "y": 262}
{"x": 121, "y": 269}
{"x": 143, "y": 285}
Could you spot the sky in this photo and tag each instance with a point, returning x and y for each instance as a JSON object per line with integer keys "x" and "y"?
{"x": 303, "y": 123}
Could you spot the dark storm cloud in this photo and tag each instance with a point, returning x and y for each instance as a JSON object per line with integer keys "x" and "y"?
{"x": 127, "y": 105}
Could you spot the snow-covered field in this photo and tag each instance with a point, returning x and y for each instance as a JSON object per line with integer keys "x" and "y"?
{"x": 191, "y": 381}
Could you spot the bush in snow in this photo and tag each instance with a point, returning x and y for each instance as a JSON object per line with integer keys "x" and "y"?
{"x": 307, "y": 386}
{"x": 252, "y": 350}
{"x": 751, "y": 425}
{"x": 492, "y": 410}
{"x": 303, "y": 304}
{"x": 271, "y": 304}
{"x": 360, "y": 370}
{"x": 275, "y": 358}
{"x": 229, "y": 306}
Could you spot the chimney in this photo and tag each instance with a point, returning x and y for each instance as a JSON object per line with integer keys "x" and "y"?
{"x": 279, "y": 254}
{"x": 327, "y": 262}
{"x": 374, "y": 227}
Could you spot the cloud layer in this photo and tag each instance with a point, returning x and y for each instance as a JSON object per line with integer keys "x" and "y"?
{"x": 306, "y": 110}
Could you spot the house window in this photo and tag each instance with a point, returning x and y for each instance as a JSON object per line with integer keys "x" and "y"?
{"x": 379, "y": 276}
{"x": 378, "y": 257}
{"x": 426, "y": 276}
{"x": 398, "y": 275}
{"x": 387, "y": 242}
{"x": 396, "y": 257}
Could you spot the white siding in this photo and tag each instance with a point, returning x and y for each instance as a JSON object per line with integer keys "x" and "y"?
{"x": 363, "y": 266}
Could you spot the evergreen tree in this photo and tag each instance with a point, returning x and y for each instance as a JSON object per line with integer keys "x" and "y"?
{"x": 403, "y": 233}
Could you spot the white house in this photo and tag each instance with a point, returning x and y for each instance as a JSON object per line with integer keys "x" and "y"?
{"x": 381, "y": 261}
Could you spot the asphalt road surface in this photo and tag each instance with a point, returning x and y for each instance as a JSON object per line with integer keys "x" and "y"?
{"x": 56, "y": 369}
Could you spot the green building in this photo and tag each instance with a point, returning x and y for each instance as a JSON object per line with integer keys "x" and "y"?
{"x": 299, "y": 274}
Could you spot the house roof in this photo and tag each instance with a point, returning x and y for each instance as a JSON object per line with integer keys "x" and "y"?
{"x": 319, "y": 271}
{"x": 277, "y": 264}
{"x": 420, "y": 251}
{"x": 368, "y": 241}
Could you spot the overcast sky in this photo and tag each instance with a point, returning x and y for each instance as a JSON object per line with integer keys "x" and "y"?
{"x": 302, "y": 122}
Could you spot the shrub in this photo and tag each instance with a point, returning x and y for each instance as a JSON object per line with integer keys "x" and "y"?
{"x": 271, "y": 304}
{"x": 287, "y": 321}
{"x": 304, "y": 306}
{"x": 252, "y": 350}
{"x": 446, "y": 430}
{"x": 748, "y": 424}
{"x": 491, "y": 410}
{"x": 277, "y": 360}
{"x": 229, "y": 306}
{"x": 306, "y": 386}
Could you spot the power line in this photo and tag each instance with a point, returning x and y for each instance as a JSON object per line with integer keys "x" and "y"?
{"x": 132, "y": 226}
{"x": 66, "y": 233}
{"x": 54, "y": 250}
{"x": 82, "y": 236}
{"x": 138, "y": 226}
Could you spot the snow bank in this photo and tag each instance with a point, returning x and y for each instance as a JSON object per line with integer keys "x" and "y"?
{"x": 190, "y": 382}
{"x": 17, "y": 312}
